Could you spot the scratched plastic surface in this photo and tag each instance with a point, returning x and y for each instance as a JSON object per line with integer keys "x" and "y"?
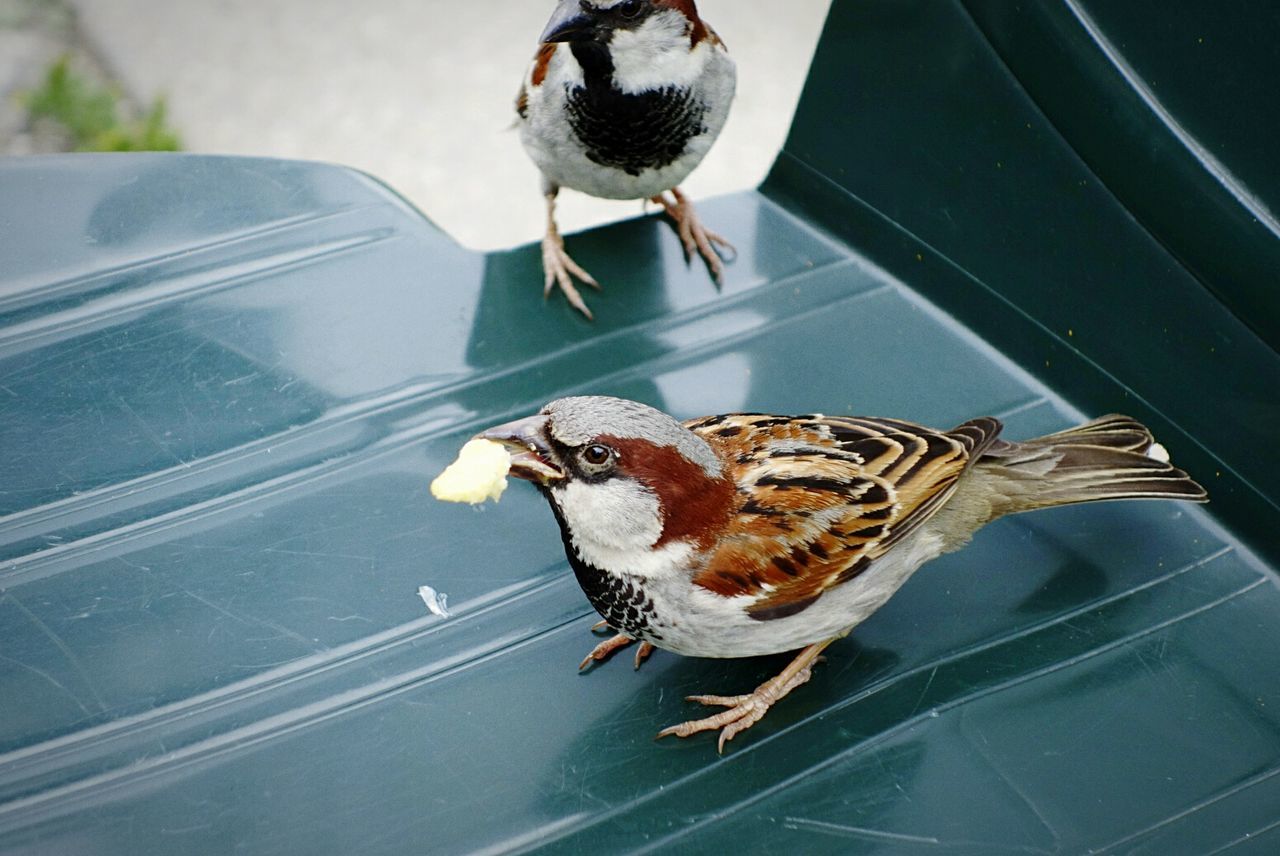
{"x": 226, "y": 383}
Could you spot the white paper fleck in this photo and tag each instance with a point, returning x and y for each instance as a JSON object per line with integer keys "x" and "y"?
{"x": 1158, "y": 453}
{"x": 436, "y": 602}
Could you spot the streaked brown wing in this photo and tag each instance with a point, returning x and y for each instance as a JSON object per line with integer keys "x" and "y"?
{"x": 822, "y": 497}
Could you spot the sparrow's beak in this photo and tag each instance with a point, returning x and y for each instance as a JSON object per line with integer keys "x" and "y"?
{"x": 532, "y": 458}
{"x": 569, "y": 23}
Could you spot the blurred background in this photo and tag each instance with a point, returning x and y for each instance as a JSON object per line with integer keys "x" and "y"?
{"x": 416, "y": 92}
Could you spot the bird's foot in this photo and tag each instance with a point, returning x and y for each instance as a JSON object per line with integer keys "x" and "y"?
{"x": 695, "y": 237}
{"x": 743, "y": 711}
{"x": 559, "y": 269}
{"x": 605, "y": 649}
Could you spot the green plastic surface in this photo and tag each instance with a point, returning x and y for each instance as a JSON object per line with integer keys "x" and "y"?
{"x": 226, "y": 383}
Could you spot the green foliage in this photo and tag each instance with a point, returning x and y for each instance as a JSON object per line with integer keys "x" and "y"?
{"x": 90, "y": 115}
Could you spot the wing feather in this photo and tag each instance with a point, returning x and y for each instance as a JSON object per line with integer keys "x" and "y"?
{"x": 822, "y": 497}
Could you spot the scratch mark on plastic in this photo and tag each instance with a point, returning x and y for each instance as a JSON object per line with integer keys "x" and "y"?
{"x": 51, "y": 679}
{"x": 924, "y": 692}
{"x": 1248, "y": 836}
{"x": 252, "y": 620}
{"x": 1208, "y": 801}
{"x": 146, "y": 429}
{"x": 848, "y": 831}
{"x": 858, "y": 831}
{"x": 61, "y": 646}
{"x": 1010, "y": 782}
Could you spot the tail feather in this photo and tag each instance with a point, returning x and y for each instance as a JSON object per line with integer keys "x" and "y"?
{"x": 1113, "y": 431}
{"x": 1114, "y": 457}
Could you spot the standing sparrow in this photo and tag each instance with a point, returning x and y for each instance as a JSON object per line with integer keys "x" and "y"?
{"x": 622, "y": 101}
{"x": 751, "y": 534}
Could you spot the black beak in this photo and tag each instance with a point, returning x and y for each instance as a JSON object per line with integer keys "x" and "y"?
{"x": 532, "y": 458}
{"x": 570, "y": 23}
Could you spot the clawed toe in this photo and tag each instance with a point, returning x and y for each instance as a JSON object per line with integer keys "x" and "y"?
{"x": 706, "y": 243}
{"x": 745, "y": 711}
{"x": 718, "y": 700}
{"x": 559, "y": 270}
{"x": 738, "y": 718}
{"x": 605, "y": 649}
{"x": 696, "y": 238}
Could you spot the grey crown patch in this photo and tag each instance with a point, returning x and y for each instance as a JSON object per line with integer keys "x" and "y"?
{"x": 578, "y": 420}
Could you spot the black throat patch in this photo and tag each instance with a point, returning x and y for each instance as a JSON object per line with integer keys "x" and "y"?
{"x": 630, "y": 132}
{"x": 622, "y": 603}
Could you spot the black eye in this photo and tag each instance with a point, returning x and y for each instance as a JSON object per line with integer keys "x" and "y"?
{"x": 630, "y": 9}
{"x": 597, "y": 455}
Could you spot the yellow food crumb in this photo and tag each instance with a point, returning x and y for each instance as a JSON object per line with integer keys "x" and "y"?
{"x": 480, "y": 473}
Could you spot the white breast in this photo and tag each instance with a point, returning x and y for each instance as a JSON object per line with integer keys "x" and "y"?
{"x": 707, "y": 71}
{"x": 699, "y": 623}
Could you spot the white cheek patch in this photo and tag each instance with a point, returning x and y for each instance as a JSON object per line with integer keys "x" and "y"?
{"x": 656, "y": 55}
{"x": 619, "y": 513}
{"x": 614, "y": 526}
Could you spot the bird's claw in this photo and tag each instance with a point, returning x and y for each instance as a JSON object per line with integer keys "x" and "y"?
{"x": 730, "y": 722}
{"x": 696, "y": 238}
{"x": 559, "y": 269}
{"x": 743, "y": 711}
{"x": 605, "y": 649}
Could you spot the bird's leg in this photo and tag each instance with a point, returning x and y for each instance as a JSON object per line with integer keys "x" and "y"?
{"x": 605, "y": 649}
{"x": 694, "y": 237}
{"x": 746, "y": 710}
{"x": 557, "y": 267}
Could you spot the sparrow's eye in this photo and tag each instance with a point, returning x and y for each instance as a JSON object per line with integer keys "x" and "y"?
{"x": 597, "y": 457}
{"x": 631, "y": 9}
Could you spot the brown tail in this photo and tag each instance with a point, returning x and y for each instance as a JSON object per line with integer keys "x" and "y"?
{"x": 1112, "y": 457}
